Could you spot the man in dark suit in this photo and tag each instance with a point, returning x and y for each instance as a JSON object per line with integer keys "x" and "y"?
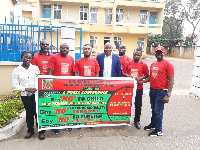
{"x": 109, "y": 63}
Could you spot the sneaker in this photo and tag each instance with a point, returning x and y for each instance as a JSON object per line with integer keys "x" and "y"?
{"x": 56, "y": 131}
{"x": 69, "y": 129}
{"x": 155, "y": 133}
{"x": 149, "y": 127}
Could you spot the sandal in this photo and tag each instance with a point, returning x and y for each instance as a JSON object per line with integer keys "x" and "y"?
{"x": 41, "y": 136}
{"x": 28, "y": 135}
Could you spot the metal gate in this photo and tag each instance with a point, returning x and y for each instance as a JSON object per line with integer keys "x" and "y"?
{"x": 16, "y": 38}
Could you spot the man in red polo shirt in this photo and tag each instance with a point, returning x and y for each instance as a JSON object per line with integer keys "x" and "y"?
{"x": 161, "y": 83}
{"x": 87, "y": 66}
{"x": 122, "y": 57}
{"x": 138, "y": 70}
{"x": 42, "y": 57}
{"x": 61, "y": 64}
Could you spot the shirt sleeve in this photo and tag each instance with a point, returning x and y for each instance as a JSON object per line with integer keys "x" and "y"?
{"x": 146, "y": 70}
{"x": 72, "y": 66}
{"x": 76, "y": 66}
{"x": 51, "y": 63}
{"x": 97, "y": 68}
{"x": 125, "y": 67}
{"x": 15, "y": 81}
{"x": 170, "y": 69}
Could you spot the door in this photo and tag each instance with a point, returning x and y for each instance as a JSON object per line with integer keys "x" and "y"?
{"x": 152, "y": 19}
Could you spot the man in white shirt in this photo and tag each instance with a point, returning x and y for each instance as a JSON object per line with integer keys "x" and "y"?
{"x": 109, "y": 63}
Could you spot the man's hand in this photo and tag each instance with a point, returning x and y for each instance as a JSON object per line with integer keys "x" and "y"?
{"x": 165, "y": 99}
{"x": 32, "y": 90}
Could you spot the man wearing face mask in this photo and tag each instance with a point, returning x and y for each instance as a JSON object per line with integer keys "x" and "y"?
{"x": 109, "y": 63}
{"x": 42, "y": 57}
{"x": 61, "y": 64}
{"x": 161, "y": 84}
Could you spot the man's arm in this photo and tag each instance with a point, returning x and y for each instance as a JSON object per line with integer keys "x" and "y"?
{"x": 96, "y": 74}
{"x": 72, "y": 73}
{"x": 118, "y": 69}
{"x": 75, "y": 74}
{"x": 50, "y": 71}
{"x": 170, "y": 86}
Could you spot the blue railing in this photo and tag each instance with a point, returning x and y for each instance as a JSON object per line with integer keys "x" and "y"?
{"x": 16, "y": 38}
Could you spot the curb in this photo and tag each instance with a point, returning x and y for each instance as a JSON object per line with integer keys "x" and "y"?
{"x": 13, "y": 128}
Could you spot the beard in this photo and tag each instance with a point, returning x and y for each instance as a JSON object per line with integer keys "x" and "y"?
{"x": 44, "y": 49}
{"x": 87, "y": 55}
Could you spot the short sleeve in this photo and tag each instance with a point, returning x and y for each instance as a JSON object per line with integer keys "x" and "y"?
{"x": 97, "y": 68}
{"x": 51, "y": 63}
{"x": 146, "y": 70}
{"x": 170, "y": 69}
{"x": 76, "y": 66}
{"x": 125, "y": 67}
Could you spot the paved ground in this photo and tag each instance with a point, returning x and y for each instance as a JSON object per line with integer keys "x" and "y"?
{"x": 181, "y": 125}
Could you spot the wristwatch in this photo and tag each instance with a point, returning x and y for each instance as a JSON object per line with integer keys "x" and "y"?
{"x": 169, "y": 94}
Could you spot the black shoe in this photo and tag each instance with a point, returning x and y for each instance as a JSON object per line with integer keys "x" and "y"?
{"x": 41, "y": 136}
{"x": 137, "y": 125}
{"x": 149, "y": 127}
{"x": 155, "y": 133}
{"x": 28, "y": 136}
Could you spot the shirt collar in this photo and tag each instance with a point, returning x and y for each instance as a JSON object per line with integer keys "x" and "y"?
{"x": 48, "y": 53}
{"x": 108, "y": 56}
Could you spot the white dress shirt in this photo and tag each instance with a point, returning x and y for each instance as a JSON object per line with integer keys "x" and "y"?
{"x": 107, "y": 66}
{"x": 24, "y": 78}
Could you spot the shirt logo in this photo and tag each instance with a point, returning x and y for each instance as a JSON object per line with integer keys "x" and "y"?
{"x": 155, "y": 72}
{"x": 87, "y": 70}
{"x": 45, "y": 68}
{"x": 47, "y": 84}
{"x": 134, "y": 73}
{"x": 64, "y": 68}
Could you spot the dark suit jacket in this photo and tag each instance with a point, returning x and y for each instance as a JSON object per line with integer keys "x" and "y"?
{"x": 116, "y": 65}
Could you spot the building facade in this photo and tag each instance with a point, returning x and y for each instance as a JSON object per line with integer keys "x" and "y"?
{"x": 128, "y": 22}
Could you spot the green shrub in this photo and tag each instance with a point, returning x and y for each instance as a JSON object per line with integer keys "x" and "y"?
{"x": 10, "y": 107}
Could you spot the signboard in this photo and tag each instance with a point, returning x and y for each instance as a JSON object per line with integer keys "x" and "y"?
{"x": 74, "y": 102}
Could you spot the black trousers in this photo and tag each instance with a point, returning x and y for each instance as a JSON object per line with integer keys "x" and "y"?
{"x": 138, "y": 105}
{"x": 30, "y": 107}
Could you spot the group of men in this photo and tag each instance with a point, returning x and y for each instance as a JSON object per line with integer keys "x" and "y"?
{"x": 108, "y": 64}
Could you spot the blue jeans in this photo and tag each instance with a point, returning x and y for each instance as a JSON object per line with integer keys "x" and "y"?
{"x": 157, "y": 107}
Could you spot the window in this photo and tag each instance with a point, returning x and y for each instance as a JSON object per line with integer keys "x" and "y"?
{"x": 93, "y": 42}
{"x": 140, "y": 43}
{"x": 57, "y": 11}
{"x": 143, "y": 16}
{"x": 117, "y": 42}
{"x": 119, "y": 15}
{"x": 94, "y": 15}
{"x": 46, "y": 11}
{"x": 83, "y": 12}
{"x": 108, "y": 16}
{"x": 106, "y": 40}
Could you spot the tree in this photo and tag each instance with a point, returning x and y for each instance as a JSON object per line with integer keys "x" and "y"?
{"x": 173, "y": 20}
{"x": 172, "y": 26}
{"x": 191, "y": 12}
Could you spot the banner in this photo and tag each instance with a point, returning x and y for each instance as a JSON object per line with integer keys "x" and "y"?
{"x": 74, "y": 102}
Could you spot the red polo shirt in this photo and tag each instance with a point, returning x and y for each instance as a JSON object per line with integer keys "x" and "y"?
{"x": 60, "y": 65}
{"x": 159, "y": 72}
{"x": 86, "y": 67}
